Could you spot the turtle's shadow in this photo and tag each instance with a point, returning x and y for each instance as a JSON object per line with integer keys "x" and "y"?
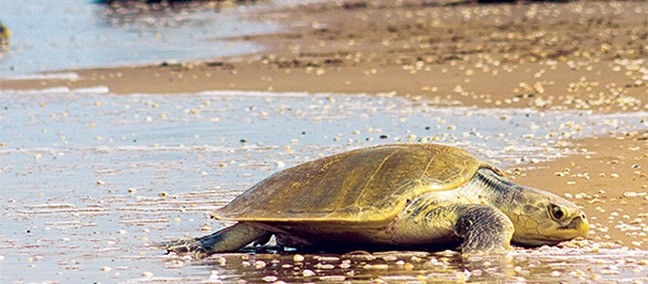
{"x": 344, "y": 249}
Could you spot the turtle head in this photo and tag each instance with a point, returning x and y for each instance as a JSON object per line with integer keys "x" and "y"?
{"x": 543, "y": 218}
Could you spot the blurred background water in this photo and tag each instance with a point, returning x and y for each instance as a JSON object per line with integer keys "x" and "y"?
{"x": 52, "y": 35}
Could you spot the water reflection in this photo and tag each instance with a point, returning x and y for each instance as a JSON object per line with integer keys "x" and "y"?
{"x": 540, "y": 265}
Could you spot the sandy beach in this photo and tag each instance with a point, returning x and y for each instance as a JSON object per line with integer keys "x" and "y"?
{"x": 590, "y": 56}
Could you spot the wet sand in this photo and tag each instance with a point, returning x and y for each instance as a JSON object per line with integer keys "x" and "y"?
{"x": 544, "y": 56}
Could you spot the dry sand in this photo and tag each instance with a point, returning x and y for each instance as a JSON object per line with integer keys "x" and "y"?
{"x": 581, "y": 55}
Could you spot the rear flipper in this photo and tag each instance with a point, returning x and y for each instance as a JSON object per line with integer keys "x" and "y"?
{"x": 226, "y": 240}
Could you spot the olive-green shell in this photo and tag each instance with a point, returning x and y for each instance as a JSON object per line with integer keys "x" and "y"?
{"x": 366, "y": 185}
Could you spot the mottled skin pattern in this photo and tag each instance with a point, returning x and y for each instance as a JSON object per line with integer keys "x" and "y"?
{"x": 393, "y": 195}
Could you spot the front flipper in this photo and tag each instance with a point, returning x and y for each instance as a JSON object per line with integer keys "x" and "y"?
{"x": 483, "y": 229}
{"x": 226, "y": 240}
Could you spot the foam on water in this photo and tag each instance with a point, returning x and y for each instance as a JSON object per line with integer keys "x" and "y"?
{"x": 90, "y": 179}
{"x": 71, "y": 76}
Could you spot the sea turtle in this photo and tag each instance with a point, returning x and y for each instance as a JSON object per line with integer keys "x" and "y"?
{"x": 397, "y": 195}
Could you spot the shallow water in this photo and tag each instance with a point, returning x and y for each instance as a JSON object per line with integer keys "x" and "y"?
{"x": 52, "y": 35}
{"x": 90, "y": 179}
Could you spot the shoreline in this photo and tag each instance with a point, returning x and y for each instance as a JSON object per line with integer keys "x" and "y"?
{"x": 486, "y": 56}
{"x": 391, "y": 52}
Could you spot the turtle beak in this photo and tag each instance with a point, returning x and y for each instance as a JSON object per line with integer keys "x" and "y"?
{"x": 579, "y": 225}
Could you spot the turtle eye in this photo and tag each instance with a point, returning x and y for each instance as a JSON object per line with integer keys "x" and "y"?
{"x": 556, "y": 212}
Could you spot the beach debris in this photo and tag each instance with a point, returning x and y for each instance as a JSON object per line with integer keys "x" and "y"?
{"x": 298, "y": 258}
